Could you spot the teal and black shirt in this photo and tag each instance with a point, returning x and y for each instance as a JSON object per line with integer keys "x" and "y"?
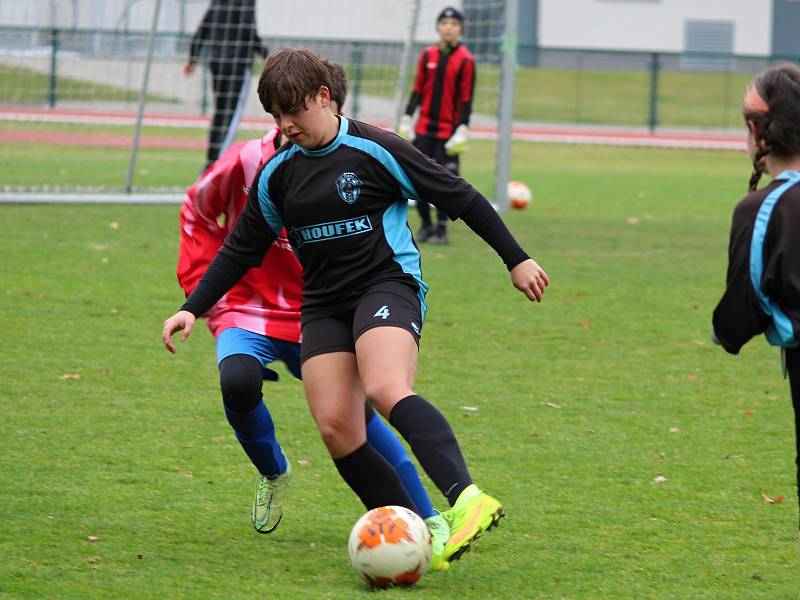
{"x": 763, "y": 282}
{"x": 344, "y": 207}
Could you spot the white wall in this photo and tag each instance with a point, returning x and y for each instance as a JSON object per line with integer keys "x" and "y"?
{"x": 654, "y": 25}
{"x": 342, "y": 19}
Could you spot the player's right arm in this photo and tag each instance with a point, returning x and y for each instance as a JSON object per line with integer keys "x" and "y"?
{"x": 419, "y": 84}
{"x": 243, "y": 249}
{"x": 406, "y": 128}
{"x": 199, "y": 39}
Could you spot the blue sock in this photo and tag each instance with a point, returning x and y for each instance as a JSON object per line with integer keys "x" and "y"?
{"x": 385, "y": 441}
{"x": 256, "y": 433}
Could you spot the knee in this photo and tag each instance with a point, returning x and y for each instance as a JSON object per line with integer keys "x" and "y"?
{"x": 339, "y": 436}
{"x": 240, "y": 382}
{"x": 383, "y": 395}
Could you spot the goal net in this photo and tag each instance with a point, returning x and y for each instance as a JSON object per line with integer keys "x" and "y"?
{"x": 96, "y": 97}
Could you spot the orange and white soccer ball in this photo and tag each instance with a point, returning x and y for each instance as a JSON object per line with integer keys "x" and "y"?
{"x": 519, "y": 194}
{"x": 390, "y": 545}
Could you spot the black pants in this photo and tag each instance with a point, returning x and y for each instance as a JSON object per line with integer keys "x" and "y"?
{"x": 227, "y": 78}
{"x": 434, "y": 148}
{"x": 793, "y": 367}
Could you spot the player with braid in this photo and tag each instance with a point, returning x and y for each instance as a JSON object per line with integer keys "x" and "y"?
{"x": 763, "y": 281}
{"x": 258, "y": 322}
{"x": 341, "y": 192}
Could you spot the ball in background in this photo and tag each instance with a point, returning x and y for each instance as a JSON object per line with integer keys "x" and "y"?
{"x": 519, "y": 194}
{"x": 390, "y": 545}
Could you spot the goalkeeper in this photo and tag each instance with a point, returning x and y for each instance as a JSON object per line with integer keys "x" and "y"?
{"x": 443, "y": 91}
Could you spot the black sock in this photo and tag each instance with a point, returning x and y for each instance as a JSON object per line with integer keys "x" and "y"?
{"x": 434, "y": 444}
{"x": 373, "y": 479}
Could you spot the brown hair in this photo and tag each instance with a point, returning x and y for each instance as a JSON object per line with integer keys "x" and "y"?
{"x": 338, "y": 82}
{"x": 290, "y": 77}
{"x": 779, "y": 125}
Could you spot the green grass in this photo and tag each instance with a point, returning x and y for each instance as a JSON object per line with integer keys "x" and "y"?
{"x": 19, "y": 85}
{"x": 42, "y": 165}
{"x": 611, "y": 97}
{"x": 576, "y": 400}
{"x": 608, "y": 97}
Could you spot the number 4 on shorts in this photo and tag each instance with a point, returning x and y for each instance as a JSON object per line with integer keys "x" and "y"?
{"x": 383, "y": 312}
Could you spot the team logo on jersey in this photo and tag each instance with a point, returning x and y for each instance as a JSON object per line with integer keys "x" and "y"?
{"x": 349, "y": 187}
{"x": 328, "y": 231}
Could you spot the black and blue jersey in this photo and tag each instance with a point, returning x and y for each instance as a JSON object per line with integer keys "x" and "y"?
{"x": 344, "y": 207}
{"x": 763, "y": 282}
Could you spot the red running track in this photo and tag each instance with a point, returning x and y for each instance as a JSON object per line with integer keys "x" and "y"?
{"x": 522, "y": 132}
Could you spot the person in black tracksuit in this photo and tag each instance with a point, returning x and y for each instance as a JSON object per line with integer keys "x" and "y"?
{"x": 340, "y": 189}
{"x": 763, "y": 281}
{"x": 228, "y": 32}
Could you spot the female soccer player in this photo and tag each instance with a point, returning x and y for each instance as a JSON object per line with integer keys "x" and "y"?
{"x": 258, "y": 322}
{"x": 340, "y": 190}
{"x": 763, "y": 291}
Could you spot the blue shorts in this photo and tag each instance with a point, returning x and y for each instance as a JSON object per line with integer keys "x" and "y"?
{"x": 264, "y": 349}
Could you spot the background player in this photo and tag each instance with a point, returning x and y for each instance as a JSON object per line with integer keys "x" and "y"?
{"x": 258, "y": 322}
{"x": 228, "y": 31}
{"x": 341, "y": 191}
{"x": 763, "y": 282}
{"x": 443, "y": 91}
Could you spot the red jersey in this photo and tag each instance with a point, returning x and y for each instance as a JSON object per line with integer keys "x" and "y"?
{"x": 266, "y": 300}
{"x": 445, "y": 84}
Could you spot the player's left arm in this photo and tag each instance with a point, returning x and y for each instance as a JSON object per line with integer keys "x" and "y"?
{"x": 422, "y": 178}
{"x": 465, "y": 88}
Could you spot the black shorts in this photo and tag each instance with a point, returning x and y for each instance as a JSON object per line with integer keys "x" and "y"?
{"x": 434, "y": 148}
{"x": 387, "y": 304}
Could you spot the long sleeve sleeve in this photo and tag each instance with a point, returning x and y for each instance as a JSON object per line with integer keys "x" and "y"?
{"x": 201, "y": 36}
{"x": 244, "y": 248}
{"x": 466, "y": 90}
{"x": 738, "y": 317}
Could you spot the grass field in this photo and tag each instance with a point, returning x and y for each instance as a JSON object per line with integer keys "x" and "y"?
{"x": 21, "y": 85}
{"x": 582, "y": 402}
{"x": 610, "y": 97}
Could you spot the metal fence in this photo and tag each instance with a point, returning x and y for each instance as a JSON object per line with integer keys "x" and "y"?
{"x": 102, "y": 69}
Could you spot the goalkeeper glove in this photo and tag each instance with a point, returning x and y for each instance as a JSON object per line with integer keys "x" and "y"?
{"x": 458, "y": 141}
{"x": 406, "y": 129}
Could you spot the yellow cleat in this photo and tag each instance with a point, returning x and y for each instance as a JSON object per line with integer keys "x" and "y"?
{"x": 473, "y": 513}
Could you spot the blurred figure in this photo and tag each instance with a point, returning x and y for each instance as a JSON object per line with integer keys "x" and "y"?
{"x": 763, "y": 291}
{"x": 443, "y": 91}
{"x": 228, "y": 33}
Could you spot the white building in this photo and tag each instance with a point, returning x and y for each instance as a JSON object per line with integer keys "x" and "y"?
{"x": 745, "y": 27}
{"x": 740, "y": 26}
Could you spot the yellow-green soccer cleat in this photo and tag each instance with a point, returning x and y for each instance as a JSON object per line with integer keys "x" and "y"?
{"x": 268, "y": 505}
{"x": 473, "y": 513}
{"x": 440, "y": 533}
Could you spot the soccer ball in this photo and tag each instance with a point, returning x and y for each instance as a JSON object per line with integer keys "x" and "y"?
{"x": 390, "y": 545}
{"x": 519, "y": 194}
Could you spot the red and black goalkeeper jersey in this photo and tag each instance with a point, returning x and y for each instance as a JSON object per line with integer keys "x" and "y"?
{"x": 443, "y": 89}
